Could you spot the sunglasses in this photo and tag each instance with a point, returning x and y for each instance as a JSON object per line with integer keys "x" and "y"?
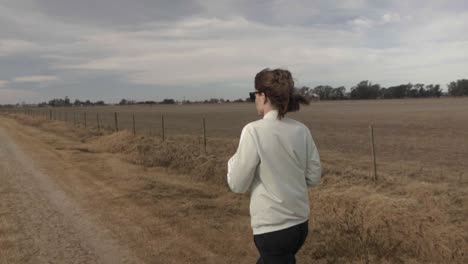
{"x": 252, "y": 95}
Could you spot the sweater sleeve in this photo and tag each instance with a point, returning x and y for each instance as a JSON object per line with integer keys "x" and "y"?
{"x": 242, "y": 166}
{"x": 313, "y": 169}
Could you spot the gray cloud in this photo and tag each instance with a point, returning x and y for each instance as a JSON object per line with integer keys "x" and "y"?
{"x": 201, "y": 49}
{"x": 110, "y": 13}
{"x": 35, "y": 79}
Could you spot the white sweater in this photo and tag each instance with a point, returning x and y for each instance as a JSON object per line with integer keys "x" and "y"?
{"x": 276, "y": 161}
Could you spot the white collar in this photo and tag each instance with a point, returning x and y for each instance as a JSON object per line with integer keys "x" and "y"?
{"x": 272, "y": 114}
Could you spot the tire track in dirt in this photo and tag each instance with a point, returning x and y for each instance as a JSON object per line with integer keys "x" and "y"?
{"x": 40, "y": 224}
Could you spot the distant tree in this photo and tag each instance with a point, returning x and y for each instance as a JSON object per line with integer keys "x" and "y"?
{"x": 67, "y": 101}
{"x": 100, "y": 103}
{"x": 399, "y": 91}
{"x": 337, "y": 93}
{"x": 433, "y": 90}
{"x": 168, "y": 101}
{"x": 365, "y": 90}
{"x": 418, "y": 90}
{"x": 412, "y": 91}
{"x": 307, "y": 92}
{"x": 323, "y": 91}
{"x": 77, "y": 103}
{"x": 419, "y": 87}
{"x": 57, "y": 102}
{"x": 458, "y": 88}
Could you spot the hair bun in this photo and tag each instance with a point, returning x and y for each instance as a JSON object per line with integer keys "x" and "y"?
{"x": 278, "y": 85}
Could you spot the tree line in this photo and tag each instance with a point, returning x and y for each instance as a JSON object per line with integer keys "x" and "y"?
{"x": 63, "y": 102}
{"x": 67, "y": 102}
{"x": 363, "y": 90}
{"x": 368, "y": 90}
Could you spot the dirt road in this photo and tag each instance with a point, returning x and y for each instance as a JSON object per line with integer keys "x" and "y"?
{"x": 40, "y": 223}
{"x": 63, "y": 202}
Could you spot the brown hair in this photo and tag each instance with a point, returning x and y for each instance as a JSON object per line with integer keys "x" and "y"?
{"x": 278, "y": 86}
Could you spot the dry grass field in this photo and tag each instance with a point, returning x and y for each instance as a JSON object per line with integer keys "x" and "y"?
{"x": 408, "y": 132}
{"x": 416, "y": 212}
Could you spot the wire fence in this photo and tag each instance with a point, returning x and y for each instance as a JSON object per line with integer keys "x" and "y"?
{"x": 149, "y": 124}
{"x": 426, "y": 136}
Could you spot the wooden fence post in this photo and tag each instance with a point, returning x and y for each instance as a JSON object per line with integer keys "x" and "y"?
{"x": 116, "y": 122}
{"x": 374, "y": 161}
{"x": 50, "y": 114}
{"x": 162, "y": 127}
{"x": 85, "y": 121}
{"x": 98, "y": 123}
{"x": 74, "y": 118}
{"x": 204, "y": 134}
{"x": 134, "y": 129}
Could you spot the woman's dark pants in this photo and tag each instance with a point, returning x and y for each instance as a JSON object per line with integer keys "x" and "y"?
{"x": 280, "y": 247}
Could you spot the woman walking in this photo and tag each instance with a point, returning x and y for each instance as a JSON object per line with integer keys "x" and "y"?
{"x": 276, "y": 161}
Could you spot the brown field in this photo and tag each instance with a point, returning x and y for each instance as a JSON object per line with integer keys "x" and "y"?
{"x": 418, "y": 131}
{"x": 416, "y": 212}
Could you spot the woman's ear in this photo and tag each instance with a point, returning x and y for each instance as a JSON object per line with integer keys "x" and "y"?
{"x": 265, "y": 99}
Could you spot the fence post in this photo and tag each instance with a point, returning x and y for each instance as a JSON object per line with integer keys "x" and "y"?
{"x": 372, "y": 143}
{"x": 162, "y": 127}
{"x": 74, "y": 118}
{"x": 204, "y": 134}
{"x": 134, "y": 129}
{"x": 116, "y": 122}
{"x": 50, "y": 114}
{"x": 98, "y": 123}
{"x": 85, "y": 121}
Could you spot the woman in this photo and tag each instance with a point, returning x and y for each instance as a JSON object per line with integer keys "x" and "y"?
{"x": 276, "y": 161}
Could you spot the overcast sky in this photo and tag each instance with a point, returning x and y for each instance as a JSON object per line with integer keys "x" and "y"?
{"x": 151, "y": 50}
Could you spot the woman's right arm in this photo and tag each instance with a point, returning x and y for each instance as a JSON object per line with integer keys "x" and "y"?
{"x": 242, "y": 166}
